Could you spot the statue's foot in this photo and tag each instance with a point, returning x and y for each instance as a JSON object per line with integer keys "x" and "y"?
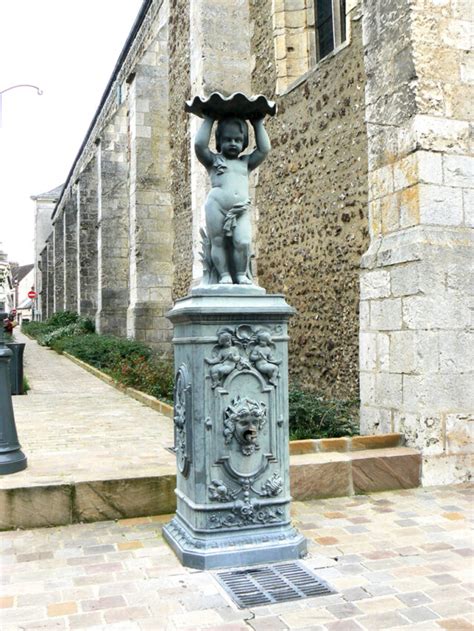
{"x": 242, "y": 279}
{"x": 225, "y": 280}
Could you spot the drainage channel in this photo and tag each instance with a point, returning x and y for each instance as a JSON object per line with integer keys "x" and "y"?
{"x": 269, "y": 584}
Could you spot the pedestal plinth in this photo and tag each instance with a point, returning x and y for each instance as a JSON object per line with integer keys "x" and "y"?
{"x": 231, "y": 429}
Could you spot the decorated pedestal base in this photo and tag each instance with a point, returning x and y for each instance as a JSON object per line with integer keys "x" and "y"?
{"x": 231, "y": 429}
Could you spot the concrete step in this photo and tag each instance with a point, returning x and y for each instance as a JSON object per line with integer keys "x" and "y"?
{"x": 313, "y": 476}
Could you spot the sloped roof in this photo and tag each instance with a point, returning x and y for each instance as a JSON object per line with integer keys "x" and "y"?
{"x": 53, "y": 194}
{"x": 19, "y": 272}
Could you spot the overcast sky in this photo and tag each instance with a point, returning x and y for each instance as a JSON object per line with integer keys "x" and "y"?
{"x": 68, "y": 48}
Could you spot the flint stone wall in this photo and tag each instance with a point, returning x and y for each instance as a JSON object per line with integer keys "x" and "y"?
{"x": 180, "y": 145}
{"x": 311, "y": 199}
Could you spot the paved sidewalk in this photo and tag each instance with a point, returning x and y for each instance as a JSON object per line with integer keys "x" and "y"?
{"x": 400, "y": 559}
{"x": 73, "y": 427}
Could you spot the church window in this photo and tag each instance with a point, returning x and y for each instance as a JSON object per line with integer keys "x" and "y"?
{"x": 304, "y": 33}
{"x": 330, "y": 25}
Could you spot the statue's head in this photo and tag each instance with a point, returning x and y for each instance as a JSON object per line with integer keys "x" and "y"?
{"x": 264, "y": 337}
{"x": 232, "y": 136}
{"x": 225, "y": 339}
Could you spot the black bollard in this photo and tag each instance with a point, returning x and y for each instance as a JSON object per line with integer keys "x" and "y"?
{"x": 16, "y": 366}
{"x": 12, "y": 459}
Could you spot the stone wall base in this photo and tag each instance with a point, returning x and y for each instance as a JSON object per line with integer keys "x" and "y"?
{"x": 146, "y": 323}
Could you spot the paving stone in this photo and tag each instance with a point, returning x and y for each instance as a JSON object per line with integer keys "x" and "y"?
{"x": 414, "y": 599}
{"x": 380, "y": 621}
{"x": 346, "y": 610}
{"x": 62, "y": 609}
{"x": 419, "y": 614}
{"x": 455, "y": 624}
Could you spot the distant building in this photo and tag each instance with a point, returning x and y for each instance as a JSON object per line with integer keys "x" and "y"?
{"x": 44, "y": 207}
{"x": 23, "y": 279}
{"x": 6, "y": 285}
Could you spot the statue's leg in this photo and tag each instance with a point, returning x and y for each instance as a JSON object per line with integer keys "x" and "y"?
{"x": 242, "y": 238}
{"x": 215, "y": 232}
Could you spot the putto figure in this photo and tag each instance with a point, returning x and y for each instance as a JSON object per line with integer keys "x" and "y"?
{"x": 262, "y": 357}
{"x": 226, "y": 359}
{"x": 227, "y": 206}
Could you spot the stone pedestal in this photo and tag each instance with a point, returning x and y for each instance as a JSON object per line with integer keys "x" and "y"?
{"x": 231, "y": 429}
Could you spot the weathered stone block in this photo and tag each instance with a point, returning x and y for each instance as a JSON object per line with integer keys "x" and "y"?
{"x": 398, "y": 468}
{"x": 447, "y": 469}
{"x": 386, "y": 314}
{"x": 375, "y": 284}
{"x": 438, "y": 391}
{"x": 459, "y": 433}
{"x": 440, "y": 205}
{"x": 414, "y": 352}
{"x": 380, "y": 182}
{"x": 32, "y": 507}
{"x": 388, "y": 390}
{"x": 421, "y": 431}
{"x": 457, "y": 33}
{"x": 409, "y": 206}
{"x": 384, "y": 441}
{"x": 459, "y": 170}
{"x": 435, "y": 312}
{"x": 468, "y": 204}
{"x": 367, "y": 388}
{"x": 441, "y": 134}
{"x": 117, "y": 499}
{"x": 456, "y": 351}
{"x": 374, "y": 420}
{"x": 314, "y": 477}
{"x": 368, "y": 351}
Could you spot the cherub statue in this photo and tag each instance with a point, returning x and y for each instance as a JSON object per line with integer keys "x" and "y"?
{"x": 262, "y": 356}
{"x": 226, "y": 360}
{"x": 228, "y": 205}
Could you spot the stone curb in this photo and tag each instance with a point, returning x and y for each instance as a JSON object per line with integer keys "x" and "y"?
{"x": 312, "y": 476}
{"x": 346, "y": 443}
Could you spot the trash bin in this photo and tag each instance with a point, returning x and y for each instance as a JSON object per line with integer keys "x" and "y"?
{"x": 16, "y": 366}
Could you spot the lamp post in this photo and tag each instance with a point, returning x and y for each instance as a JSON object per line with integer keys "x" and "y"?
{"x": 39, "y": 92}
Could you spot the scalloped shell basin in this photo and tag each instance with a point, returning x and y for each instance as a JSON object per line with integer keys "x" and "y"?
{"x": 237, "y": 104}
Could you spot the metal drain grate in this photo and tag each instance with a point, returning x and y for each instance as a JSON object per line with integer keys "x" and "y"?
{"x": 271, "y": 584}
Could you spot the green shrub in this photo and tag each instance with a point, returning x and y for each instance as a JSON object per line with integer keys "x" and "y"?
{"x": 62, "y": 318}
{"x": 101, "y": 351}
{"x": 58, "y": 325}
{"x": 80, "y": 326}
{"x": 36, "y": 329}
{"x": 152, "y": 375}
{"x": 26, "y": 385}
{"x": 312, "y": 416}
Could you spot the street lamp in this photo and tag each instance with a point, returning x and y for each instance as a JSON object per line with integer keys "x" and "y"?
{"x": 39, "y": 92}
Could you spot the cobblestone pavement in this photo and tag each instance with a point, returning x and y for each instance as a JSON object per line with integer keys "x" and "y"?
{"x": 400, "y": 559}
{"x": 74, "y": 427}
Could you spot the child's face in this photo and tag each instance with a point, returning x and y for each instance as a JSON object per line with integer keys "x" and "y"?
{"x": 232, "y": 140}
{"x": 225, "y": 341}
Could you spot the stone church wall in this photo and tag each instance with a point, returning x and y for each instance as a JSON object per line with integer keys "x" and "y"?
{"x": 371, "y": 166}
{"x": 311, "y": 199}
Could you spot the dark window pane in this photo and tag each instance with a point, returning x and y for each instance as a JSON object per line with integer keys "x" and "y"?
{"x": 324, "y": 27}
{"x": 342, "y": 4}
